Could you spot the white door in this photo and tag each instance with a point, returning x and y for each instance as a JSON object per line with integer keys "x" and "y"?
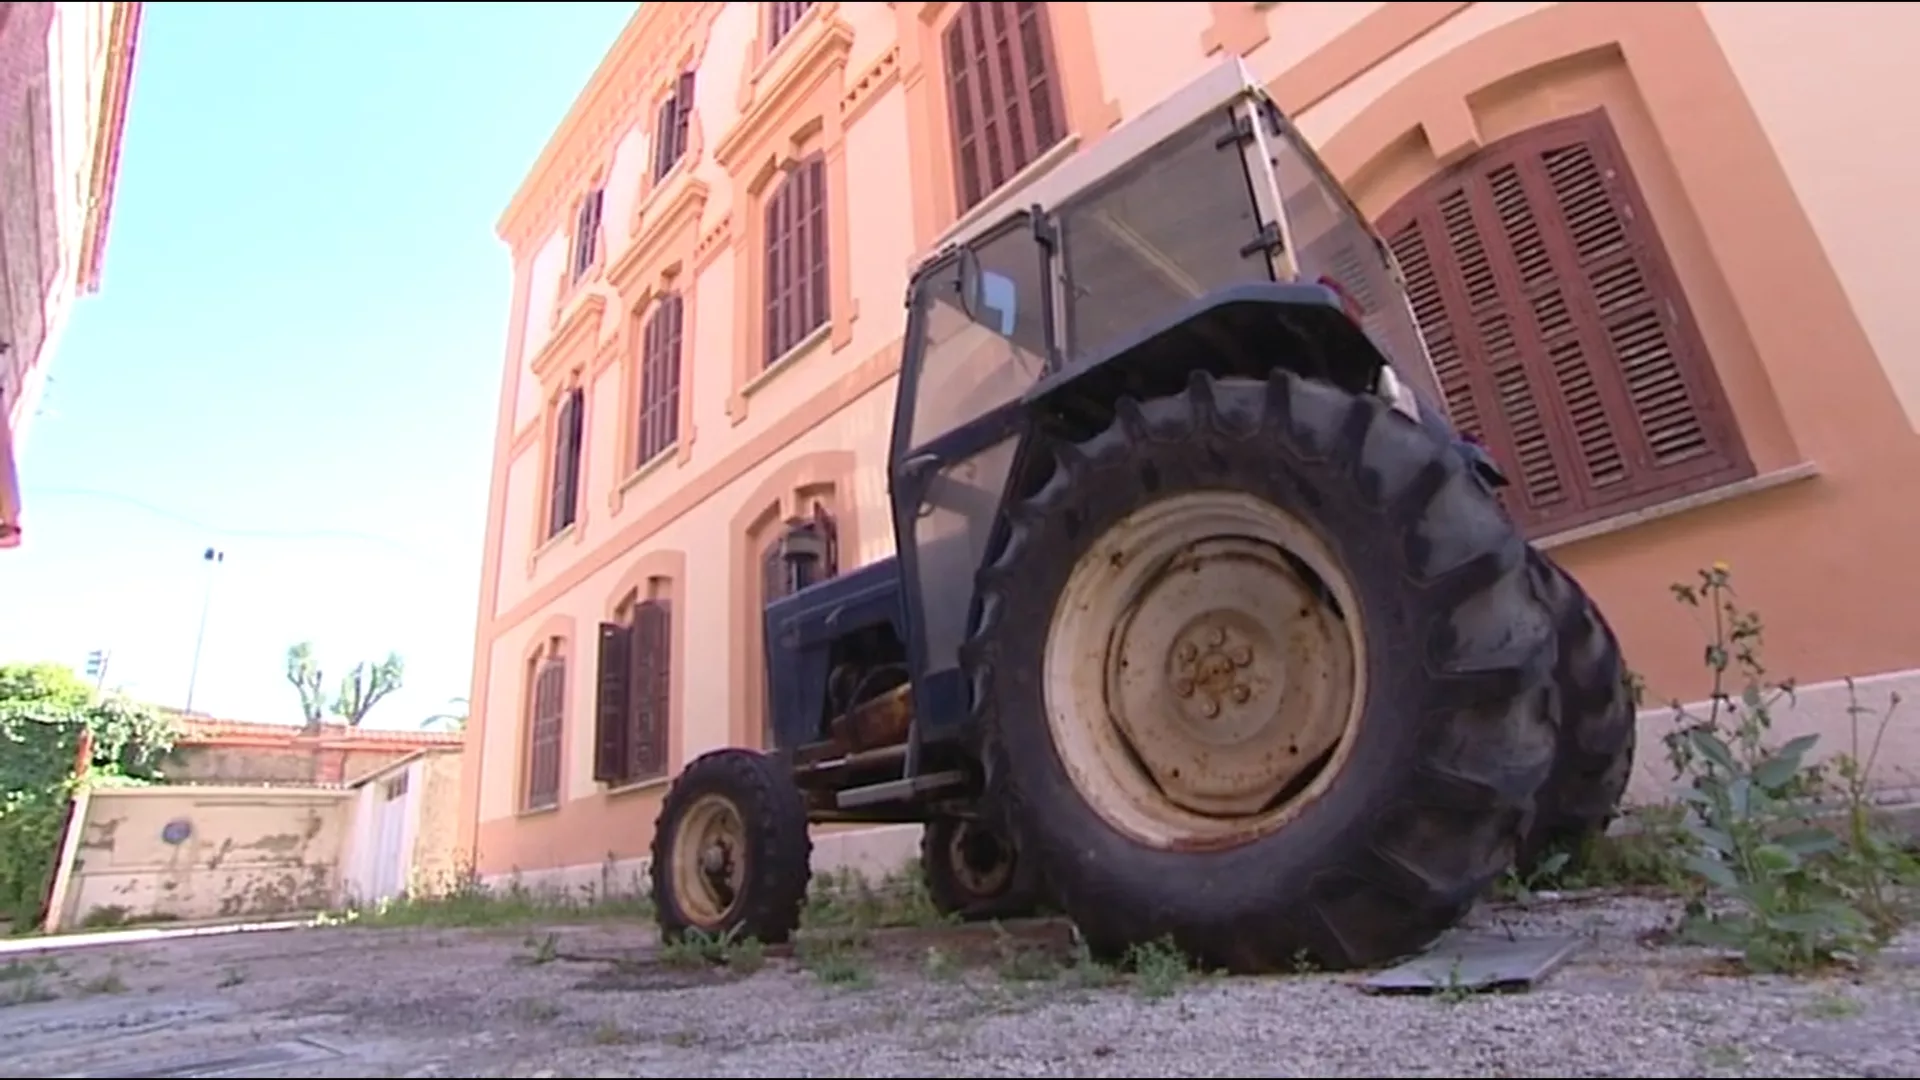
{"x": 389, "y": 836}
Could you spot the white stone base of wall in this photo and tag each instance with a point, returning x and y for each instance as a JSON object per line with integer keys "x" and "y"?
{"x": 874, "y": 853}
{"x": 1820, "y": 709}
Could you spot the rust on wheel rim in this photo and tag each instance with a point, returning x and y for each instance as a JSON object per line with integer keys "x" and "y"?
{"x": 1203, "y": 670}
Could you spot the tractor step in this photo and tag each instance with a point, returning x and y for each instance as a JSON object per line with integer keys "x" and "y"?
{"x": 899, "y": 790}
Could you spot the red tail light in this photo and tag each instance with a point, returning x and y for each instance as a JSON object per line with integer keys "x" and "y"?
{"x": 1347, "y": 302}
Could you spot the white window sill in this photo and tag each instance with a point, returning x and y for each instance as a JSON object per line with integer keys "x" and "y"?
{"x": 789, "y": 358}
{"x": 651, "y": 784}
{"x": 1752, "y": 485}
{"x": 536, "y": 811}
{"x": 649, "y": 467}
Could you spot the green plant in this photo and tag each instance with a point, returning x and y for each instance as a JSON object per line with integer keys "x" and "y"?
{"x": 47, "y": 715}
{"x": 1767, "y": 880}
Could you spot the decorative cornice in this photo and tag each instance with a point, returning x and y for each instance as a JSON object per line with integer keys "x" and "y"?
{"x": 665, "y": 222}
{"x": 609, "y": 102}
{"x": 865, "y": 90}
{"x": 123, "y": 37}
{"x": 582, "y": 323}
{"x": 829, "y": 41}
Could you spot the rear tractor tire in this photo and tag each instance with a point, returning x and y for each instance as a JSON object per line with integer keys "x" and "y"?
{"x": 1261, "y": 669}
{"x": 974, "y": 870}
{"x": 731, "y": 852}
{"x": 1597, "y": 725}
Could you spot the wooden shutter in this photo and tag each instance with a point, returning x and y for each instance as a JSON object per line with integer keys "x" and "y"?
{"x": 796, "y": 276}
{"x": 665, "y": 131}
{"x": 1558, "y": 331}
{"x": 613, "y": 695}
{"x": 569, "y": 430}
{"x": 586, "y": 232}
{"x": 660, "y": 379}
{"x": 830, "y": 539}
{"x": 682, "y": 113}
{"x": 782, "y": 18}
{"x": 652, "y": 645}
{"x": 544, "y": 733}
{"x": 1003, "y": 95}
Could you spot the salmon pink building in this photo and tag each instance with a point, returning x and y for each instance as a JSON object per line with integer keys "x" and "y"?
{"x": 1647, "y": 243}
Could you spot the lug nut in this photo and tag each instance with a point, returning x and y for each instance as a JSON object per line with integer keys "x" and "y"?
{"x": 1211, "y": 708}
{"x": 1183, "y": 687}
{"x": 1241, "y": 694}
{"x": 1216, "y": 637}
{"x": 1242, "y": 655}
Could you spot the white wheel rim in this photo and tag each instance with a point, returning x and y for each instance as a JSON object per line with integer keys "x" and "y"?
{"x": 709, "y": 861}
{"x": 1202, "y": 672}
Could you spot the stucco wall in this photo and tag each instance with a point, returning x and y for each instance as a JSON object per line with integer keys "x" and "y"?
{"x": 1767, "y": 212}
{"x": 201, "y": 853}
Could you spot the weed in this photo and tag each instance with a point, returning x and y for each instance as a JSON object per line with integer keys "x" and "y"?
{"x": 1768, "y": 882}
{"x": 846, "y": 898}
{"x": 230, "y": 978}
{"x": 1159, "y": 968}
{"x": 698, "y": 950}
{"x": 107, "y": 983}
{"x": 466, "y": 901}
{"x": 835, "y": 957}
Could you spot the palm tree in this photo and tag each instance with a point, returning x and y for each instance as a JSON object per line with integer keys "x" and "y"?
{"x": 455, "y": 720}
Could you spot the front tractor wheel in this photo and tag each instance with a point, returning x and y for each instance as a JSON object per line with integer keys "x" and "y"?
{"x": 731, "y": 852}
{"x": 1262, "y": 669}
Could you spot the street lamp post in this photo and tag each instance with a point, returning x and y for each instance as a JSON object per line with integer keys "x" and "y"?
{"x": 213, "y": 557}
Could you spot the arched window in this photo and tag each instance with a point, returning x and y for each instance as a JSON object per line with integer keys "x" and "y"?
{"x": 634, "y": 696}
{"x": 546, "y": 726}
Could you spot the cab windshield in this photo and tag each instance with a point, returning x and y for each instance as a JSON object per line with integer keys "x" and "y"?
{"x": 982, "y": 324}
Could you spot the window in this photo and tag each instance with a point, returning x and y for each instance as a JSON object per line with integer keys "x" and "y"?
{"x": 546, "y": 718}
{"x": 660, "y": 379}
{"x": 796, "y": 257}
{"x": 1002, "y": 92}
{"x": 568, "y": 429}
{"x": 586, "y": 233}
{"x": 634, "y": 703}
{"x": 670, "y": 126}
{"x": 1558, "y": 331}
{"x": 782, "y": 18}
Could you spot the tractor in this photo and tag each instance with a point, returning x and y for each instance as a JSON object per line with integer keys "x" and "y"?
{"x": 1204, "y": 623}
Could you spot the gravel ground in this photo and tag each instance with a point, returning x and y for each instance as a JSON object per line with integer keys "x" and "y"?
{"x": 596, "y": 999}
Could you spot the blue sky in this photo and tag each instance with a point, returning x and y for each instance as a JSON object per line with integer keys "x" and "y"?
{"x": 295, "y": 354}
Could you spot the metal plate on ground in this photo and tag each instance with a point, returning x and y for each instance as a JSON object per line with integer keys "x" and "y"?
{"x": 232, "y": 1061}
{"x": 1469, "y": 963}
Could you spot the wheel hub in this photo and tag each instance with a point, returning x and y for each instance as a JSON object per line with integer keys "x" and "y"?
{"x": 1200, "y": 668}
{"x": 982, "y": 861}
{"x": 709, "y": 864}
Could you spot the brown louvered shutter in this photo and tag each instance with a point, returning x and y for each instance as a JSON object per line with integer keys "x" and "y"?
{"x": 1002, "y": 93}
{"x": 569, "y": 430}
{"x": 612, "y": 703}
{"x": 660, "y": 379}
{"x": 586, "y": 232}
{"x": 682, "y": 113}
{"x": 796, "y": 277}
{"x": 782, "y": 18}
{"x": 1558, "y": 331}
{"x": 829, "y": 538}
{"x": 652, "y": 685}
{"x": 544, "y": 734}
{"x": 666, "y": 124}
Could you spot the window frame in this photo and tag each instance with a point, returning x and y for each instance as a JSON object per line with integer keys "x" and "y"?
{"x": 796, "y": 298}
{"x": 544, "y": 770}
{"x": 662, "y": 371}
{"x": 993, "y": 134}
{"x": 588, "y": 223}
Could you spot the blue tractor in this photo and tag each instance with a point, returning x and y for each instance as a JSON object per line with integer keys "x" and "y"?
{"x": 1204, "y": 622}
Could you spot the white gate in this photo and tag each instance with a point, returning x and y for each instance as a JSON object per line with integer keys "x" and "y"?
{"x": 389, "y": 868}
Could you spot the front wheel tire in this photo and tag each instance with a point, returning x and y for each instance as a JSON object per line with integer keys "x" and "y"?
{"x": 731, "y": 851}
{"x": 1323, "y": 744}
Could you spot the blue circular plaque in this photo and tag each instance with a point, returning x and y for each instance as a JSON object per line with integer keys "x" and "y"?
{"x": 176, "y": 831}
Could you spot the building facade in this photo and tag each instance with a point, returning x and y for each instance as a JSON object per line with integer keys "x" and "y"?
{"x": 1643, "y": 241}
{"x": 66, "y": 71}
